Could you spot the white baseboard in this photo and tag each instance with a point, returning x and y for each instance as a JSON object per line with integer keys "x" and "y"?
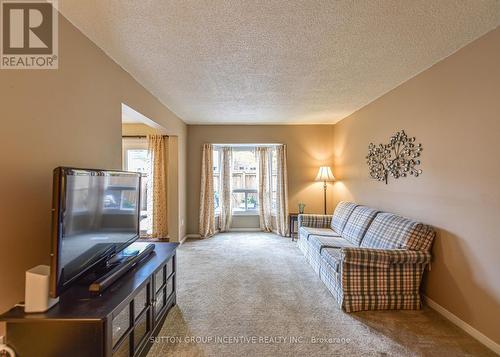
{"x": 485, "y": 340}
{"x": 191, "y": 235}
{"x": 197, "y": 236}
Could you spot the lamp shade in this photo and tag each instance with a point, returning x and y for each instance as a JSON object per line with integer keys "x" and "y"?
{"x": 325, "y": 174}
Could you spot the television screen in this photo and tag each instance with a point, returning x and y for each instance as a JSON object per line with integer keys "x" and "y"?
{"x": 96, "y": 215}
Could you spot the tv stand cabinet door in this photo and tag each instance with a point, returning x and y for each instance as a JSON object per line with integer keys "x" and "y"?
{"x": 164, "y": 291}
{"x": 48, "y": 338}
{"x": 130, "y": 325}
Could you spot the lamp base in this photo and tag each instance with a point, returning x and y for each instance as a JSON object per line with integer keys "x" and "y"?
{"x": 324, "y": 196}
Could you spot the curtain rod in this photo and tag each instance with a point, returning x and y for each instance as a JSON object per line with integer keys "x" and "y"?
{"x": 247, "y": 145}
{"x": 138, "y": 136}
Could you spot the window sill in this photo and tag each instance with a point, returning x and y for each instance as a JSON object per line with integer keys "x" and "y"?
{"x": 246, "y": 213}
{"x": 240, "y": 214}
{"x": 273, "y": 214}
{"x": 152, "y": 240}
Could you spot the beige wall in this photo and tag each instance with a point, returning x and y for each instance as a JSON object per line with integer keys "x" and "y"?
{"x": 141, "y": 129}
{"x": 453, "y": 109}
{"x": 70, "y": 116}
{"x": 309, "y": 146}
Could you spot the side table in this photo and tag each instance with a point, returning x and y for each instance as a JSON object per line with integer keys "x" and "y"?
{"x": 292, "y": 218}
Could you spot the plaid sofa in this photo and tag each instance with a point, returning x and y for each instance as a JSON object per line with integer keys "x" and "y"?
{"x": 369, "y": 260}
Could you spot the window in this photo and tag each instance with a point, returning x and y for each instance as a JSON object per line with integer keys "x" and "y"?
{"x": 135, "y": 159}
{"x": 244, "y": 181}
{"x": 216, "y": 167}
{"x": 274, "y": 179}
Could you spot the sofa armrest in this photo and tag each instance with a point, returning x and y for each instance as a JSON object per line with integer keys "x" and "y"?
{"x": 314, "y": 220}
{"x": 382, "y": 258}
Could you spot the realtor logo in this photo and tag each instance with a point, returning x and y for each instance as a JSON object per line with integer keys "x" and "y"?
{"x": 29, "y": 34}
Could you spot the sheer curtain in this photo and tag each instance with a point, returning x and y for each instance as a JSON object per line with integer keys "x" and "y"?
{"x": 281, "y": 192}
{"x": 264, "y": 158}
{"x": 157, "y": 207}
{"x": 225, "y": 189}
{"x": 207, "y": 209}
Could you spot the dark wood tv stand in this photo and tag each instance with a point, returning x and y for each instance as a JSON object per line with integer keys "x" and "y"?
{"x": 119, "y": 322}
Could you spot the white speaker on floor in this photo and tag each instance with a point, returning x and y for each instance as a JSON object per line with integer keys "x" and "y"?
{"x": 36, "y": 297}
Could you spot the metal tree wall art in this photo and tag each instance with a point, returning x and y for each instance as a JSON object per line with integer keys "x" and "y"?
{"x": 398, "y": 158}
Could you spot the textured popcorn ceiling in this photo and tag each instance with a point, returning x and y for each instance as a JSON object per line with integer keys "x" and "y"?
{"x": 274, "y": 61}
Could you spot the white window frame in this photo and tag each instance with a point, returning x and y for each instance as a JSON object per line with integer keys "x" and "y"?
{"x": 246, "y": 191}
{"x": 133, "y": 144}
{"x": 246, "y": 147}
{"x": 246, "y": 212}
{"x": 217, "y": 210}
{"x": 273, "y": 204}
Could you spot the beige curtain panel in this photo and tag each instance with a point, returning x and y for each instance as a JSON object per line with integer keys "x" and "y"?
{"x": 225, "y": 189}
{"x": 281, "y": 192}
{"x": 265, "y": 218}
{"x": 207, "y": 210}
{"x": 157, "y": 149}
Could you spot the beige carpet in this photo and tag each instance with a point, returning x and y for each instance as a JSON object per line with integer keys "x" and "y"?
{"x": 253, "y": 294}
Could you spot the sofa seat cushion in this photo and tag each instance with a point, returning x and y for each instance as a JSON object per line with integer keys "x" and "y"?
{"x": 358, "y": 223}
{"x": 317, "y": 243}
{"x": 341, "y": 215}
{"x": 332, "y": 257}
{"x": 390, "y": 231}
{"x": 324, "y": 232}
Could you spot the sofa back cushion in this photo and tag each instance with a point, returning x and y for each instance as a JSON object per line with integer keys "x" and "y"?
{"x": 358, "y": 224}
{"x": 341, "y": 215}
{"x": 390, "y": 231}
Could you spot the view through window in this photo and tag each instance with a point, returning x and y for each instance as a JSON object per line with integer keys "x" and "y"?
{"x": 274, "y": 179}
{"x": 216, "y": 165}
{"x": 244, "y": 180}
{"x": 135, "y": 159}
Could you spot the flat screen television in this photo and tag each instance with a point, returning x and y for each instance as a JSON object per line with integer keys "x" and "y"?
{"x": 95, "y": 215}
